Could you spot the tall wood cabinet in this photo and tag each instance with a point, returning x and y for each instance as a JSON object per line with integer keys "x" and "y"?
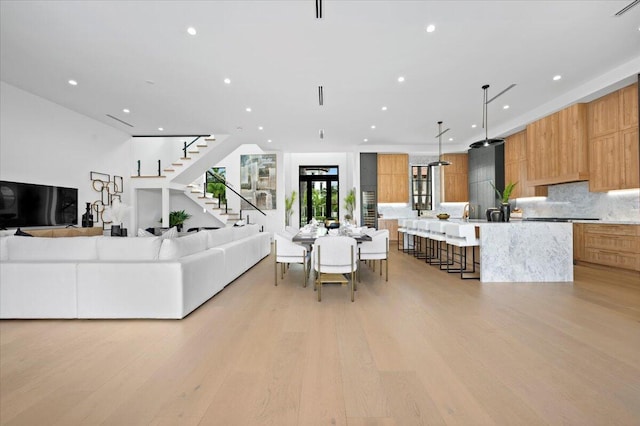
{"x": 613, "y": 141}
{"x": 515, "y": 167}
{"x": 557, "y": 148}
{"x": 455, "y": 178}
{"x": 393, "y": 178}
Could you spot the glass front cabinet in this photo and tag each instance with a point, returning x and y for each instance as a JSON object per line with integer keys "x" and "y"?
{"x": 421, "y": 188}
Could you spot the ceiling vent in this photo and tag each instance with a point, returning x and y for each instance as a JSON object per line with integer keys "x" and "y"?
{"x": 321, "y": 134}
{"x": 320, "y": 95}
{"x": 627, "y": 8}
{"x": 318, "y": 9}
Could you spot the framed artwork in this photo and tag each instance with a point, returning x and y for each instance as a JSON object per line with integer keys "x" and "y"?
{"x": 258, "y": 181}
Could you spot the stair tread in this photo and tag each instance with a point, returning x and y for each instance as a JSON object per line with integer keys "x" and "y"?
{"x": 185, "y": 158}
{"x": 194, "y": 152}
{"x": 176, "y": 164}
{"x": 147, "y": 176}
{"x": 169, "y": 170}
{"x": 209, "y": 139}
{"x": 202, "y": 146}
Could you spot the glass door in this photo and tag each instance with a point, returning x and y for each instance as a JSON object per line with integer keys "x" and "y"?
{"x": 319, "y": 193}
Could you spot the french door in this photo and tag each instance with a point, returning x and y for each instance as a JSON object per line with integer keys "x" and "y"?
{"x": 319, "y": 193}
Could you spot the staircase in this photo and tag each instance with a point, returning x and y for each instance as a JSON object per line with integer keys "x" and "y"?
{"x": 208, "y": 203}
{"x": 188, "y": 168}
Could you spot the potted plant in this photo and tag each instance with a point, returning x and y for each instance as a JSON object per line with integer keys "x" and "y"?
{"x": 504, "y": 199}
{"x": 177, "y": 219}
{"x": 288, "y": 207}
{"x": 350, "y": 203}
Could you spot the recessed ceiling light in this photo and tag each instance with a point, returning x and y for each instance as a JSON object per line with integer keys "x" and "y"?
{"x": 365, "y": 140}
{"x": 150, "y": 82}
{"x": 260, "y": 127}
{"x": 126, "y": 111}
{"x": 227, "y": 81}
{"x": 431, "y": 28}
{"x": 160, "y": 128}
{"x": 192, "y": 31}
{"x": 73, "y": 82}
{"x": 269, "y": 140}
{"x": 505, "y": 107}
{"x": 373, "y": 126}
{"x": 450, "y": 139}
{"x": 400, "y": 79}
{"x": 247, "y": 109}
{"x": 384, "y": 108}
{"x": 557, "y": 77}
{"x": 473, "y": 126}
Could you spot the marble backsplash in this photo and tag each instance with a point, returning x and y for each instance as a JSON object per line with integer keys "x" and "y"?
{"x": 575, "y": 200}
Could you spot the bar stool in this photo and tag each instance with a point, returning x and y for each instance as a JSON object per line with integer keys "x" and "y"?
{"x": 438, "y": 235}
{"x": 422, "y": 234}
{"x": 461, "y": 236}
{"x": 410, "y": 235}
{"x": 401, "y": 230}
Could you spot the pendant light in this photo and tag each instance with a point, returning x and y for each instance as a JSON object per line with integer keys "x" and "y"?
{"x": 485, "y": 119}
{"x": 440, "y": 162}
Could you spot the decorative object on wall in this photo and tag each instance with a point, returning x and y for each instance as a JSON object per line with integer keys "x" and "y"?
{"x": 87, "y": 217}
{"x": 258, "y": 180}
{"x": 110, "y": 190}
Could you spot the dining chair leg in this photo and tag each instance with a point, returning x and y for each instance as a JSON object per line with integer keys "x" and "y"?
{"x": 319, "y": 278}
{"x": 304, "y": 270}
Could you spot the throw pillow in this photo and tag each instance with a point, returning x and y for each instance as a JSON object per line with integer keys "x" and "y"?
{"x": 171, "y": 233}
{"x": 21, "y": 233}
{"x": 143, "y": 233}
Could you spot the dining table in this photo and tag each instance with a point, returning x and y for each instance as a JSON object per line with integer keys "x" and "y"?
{"x": 309, "y": 235}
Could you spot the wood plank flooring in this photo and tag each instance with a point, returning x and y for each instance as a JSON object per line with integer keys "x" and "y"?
{"x": 425, "y": 348}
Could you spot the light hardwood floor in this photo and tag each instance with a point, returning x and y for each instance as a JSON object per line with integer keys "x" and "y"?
{"x": 424, "y": 348}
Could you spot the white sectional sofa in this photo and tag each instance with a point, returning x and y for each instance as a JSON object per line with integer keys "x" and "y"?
{"x": 110, "y": 277}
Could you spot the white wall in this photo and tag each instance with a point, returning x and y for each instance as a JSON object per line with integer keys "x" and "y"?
{"x": 44, "y": 143}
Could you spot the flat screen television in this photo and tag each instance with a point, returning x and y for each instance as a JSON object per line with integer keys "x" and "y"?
{"x": 27, "y": 204}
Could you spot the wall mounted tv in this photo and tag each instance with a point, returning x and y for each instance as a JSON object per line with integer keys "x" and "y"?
{"x": 27, "y": 204}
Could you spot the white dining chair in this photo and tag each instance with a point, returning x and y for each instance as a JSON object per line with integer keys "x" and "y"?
{"x": 287, "y": 252}
{"x": 333, "y": 257}
{"x": 438, "y": 234}
{"x": 376, "y": 249}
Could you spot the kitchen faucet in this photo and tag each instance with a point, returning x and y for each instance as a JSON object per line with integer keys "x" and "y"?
{"x": 465, "y": 212}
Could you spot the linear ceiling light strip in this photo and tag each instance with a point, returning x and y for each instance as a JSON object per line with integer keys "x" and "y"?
{"x": 627, "y": 7}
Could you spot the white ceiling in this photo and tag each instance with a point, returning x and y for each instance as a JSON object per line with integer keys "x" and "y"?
{"x": 277, "y": 53}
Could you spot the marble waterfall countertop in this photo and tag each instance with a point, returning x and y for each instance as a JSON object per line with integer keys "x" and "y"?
{"x": 521, "y": 251}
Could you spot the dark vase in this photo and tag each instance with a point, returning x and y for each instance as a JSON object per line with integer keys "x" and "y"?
{"x": 179, "y": 227}
{"x": 87, "y": 217}
{"x": 115, "y": 230}
{"x": 505, "y": 208}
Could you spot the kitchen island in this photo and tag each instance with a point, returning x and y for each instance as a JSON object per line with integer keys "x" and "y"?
{"x": 521, "y": 251}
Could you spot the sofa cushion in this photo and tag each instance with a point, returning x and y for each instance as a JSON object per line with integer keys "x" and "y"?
{"x": 112, "y": 248}
{"x": 175, "y": 248}
{"x": 39, "y": 248}
{"x": 218, "y": 237}
{"x": 245, "y": 231}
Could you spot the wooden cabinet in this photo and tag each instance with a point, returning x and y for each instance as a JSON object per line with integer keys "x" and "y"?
{"x": 515, "y": 167}
{"x": 609, "y": 245}
{"x": 391, "y": 225}
{"x": 557, "y": 148}
{"x": 454, "y": 178}
{"x": 613, "y": 141}
{"x": 578, "y": 241}
{"x": 393, "y": 178}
